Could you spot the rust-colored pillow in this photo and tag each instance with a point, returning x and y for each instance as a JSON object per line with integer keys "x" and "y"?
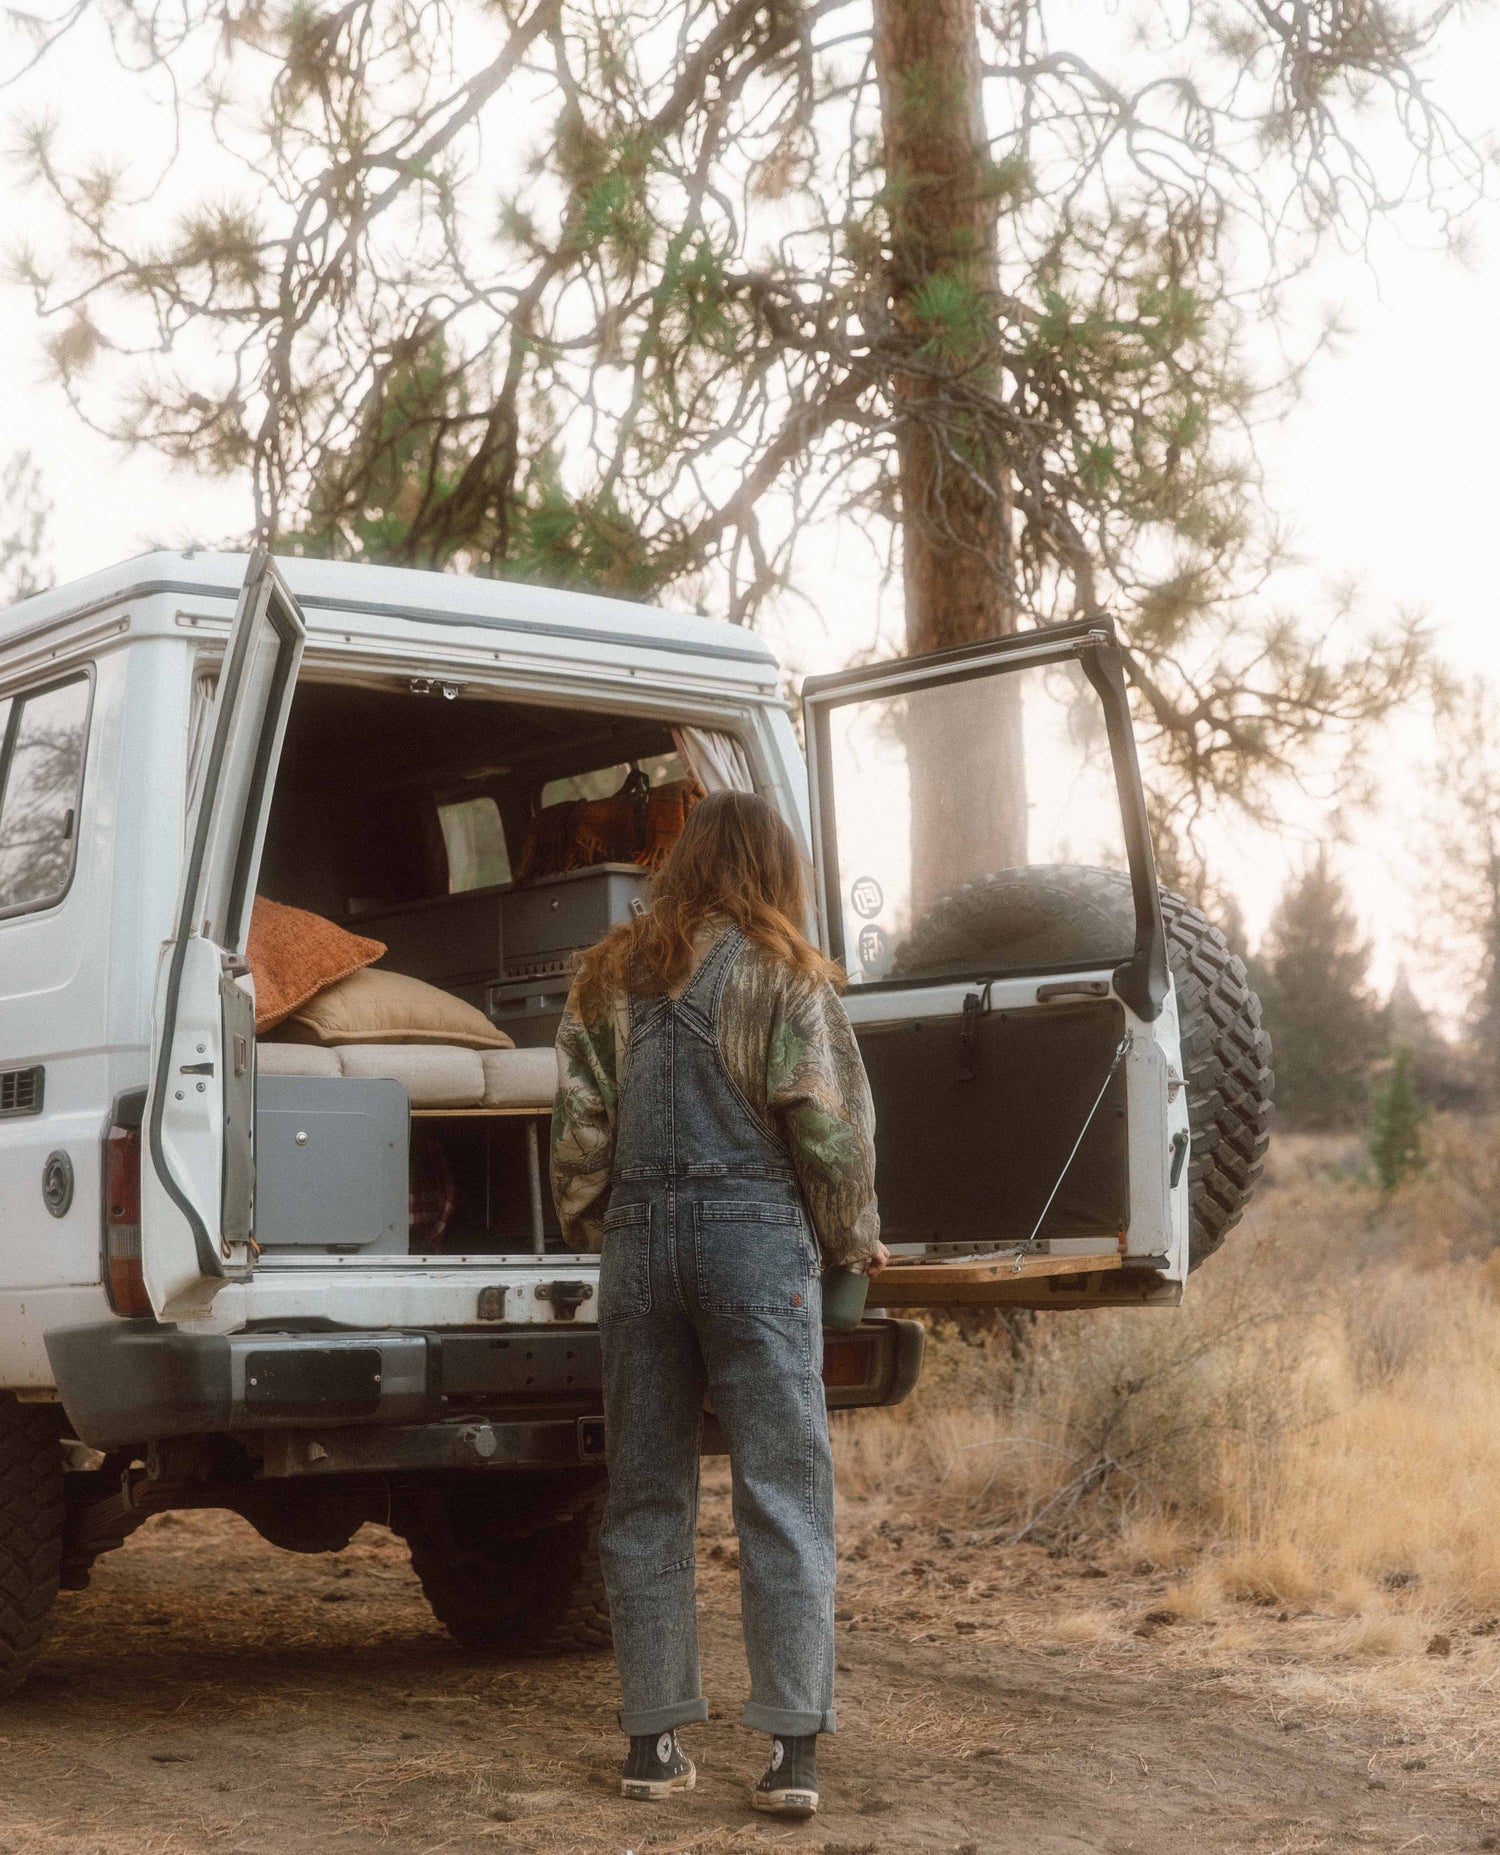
{"x": 293, "y": 955}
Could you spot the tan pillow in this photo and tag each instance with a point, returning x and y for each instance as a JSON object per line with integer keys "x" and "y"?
{"x": 293, "y": 955}
{"x": 378, "y": 1007}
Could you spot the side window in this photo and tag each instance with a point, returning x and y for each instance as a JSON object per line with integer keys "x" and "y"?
{"x": 475, "y": 841}
{"x": 659, "y": 769}
{"x": 41, "y": 781}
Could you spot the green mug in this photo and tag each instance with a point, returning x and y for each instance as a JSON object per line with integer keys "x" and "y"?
{"x": 844, "y": 1291}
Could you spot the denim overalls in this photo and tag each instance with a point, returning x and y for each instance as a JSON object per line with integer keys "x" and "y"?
{"x": 709, "y": 1281}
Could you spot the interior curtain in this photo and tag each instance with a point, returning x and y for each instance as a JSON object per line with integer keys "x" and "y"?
{"x": 205, "y": 688}
{"x": 715, "y": 760}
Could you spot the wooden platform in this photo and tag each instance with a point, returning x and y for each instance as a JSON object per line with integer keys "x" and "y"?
{"x": 988, "y": 1282}
{"x": 456, "y": 1114}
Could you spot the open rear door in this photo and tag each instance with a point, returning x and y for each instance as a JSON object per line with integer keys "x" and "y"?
{"x": 985, "y": 876}
{"x": 198, "y": 1175}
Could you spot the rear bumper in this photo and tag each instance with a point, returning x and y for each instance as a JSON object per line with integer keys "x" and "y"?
{"x": 512, "y": 1394}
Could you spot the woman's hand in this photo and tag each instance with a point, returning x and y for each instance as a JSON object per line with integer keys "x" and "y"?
{"x": 877, "y": 1260}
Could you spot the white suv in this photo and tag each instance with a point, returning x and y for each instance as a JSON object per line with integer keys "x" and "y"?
{"x": 320, "y": 1287}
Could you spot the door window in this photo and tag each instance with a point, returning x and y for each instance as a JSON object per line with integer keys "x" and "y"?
{"x": 992, "y": 782}
{"x": 42, "y": 738}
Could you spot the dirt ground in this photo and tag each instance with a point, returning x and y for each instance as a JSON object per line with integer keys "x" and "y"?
{"x": 213, "y": 1693}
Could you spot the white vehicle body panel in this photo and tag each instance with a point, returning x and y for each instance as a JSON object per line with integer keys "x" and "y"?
{"x": 78, "y": 980}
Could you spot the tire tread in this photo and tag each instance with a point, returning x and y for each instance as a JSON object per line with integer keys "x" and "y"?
{"x": 31, "y": 1533}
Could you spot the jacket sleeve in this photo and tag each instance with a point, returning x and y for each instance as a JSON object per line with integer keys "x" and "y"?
{"x": 583, "y": 1124}
{"x": 817, "y": 1089}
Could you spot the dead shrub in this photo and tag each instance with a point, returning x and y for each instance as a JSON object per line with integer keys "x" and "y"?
{"x": 1322, "y": 1414}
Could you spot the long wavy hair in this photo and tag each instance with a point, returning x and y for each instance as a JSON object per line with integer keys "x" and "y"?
{"x": 737, "y": 860}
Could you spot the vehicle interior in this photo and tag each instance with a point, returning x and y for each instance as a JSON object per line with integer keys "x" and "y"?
{"x": 483, "y": 842}
{"x": 407, "y": 817}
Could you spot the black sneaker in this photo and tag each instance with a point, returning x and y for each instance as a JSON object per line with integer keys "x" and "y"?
{"x": 790, "y": 1786}
{"x": 657, "y": 1766}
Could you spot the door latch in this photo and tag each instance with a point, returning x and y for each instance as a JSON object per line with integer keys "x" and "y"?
{"x": 566, "y": 1297}
{"x": 1179, "y": 1154}
{"x": 976, "y": 1004}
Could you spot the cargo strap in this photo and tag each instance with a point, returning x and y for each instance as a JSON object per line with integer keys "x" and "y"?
{"x": 1119, "y": 1056}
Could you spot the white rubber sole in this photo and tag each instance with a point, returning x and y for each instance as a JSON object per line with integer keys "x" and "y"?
{"x": 786, "y": 1803}
{"x": 652, "y": 1790}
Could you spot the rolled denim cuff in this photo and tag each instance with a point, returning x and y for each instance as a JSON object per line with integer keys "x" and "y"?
{"x": 663, "y": 1719}
{"x": 786, "y": 1724}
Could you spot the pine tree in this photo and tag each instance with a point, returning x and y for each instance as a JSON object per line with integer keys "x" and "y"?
{"x": 1396, "y": 1116}
{"x": 643, "y": 297}
{"x": 1461, "y": 861}
{"x": 1313, "y": 976}
{"x": 25, "y": 514}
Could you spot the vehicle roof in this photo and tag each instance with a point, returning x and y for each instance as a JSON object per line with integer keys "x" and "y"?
{"x": 336, "y": 593}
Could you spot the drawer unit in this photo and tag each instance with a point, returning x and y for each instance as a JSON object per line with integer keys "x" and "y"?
{"x": 546, "y": 921}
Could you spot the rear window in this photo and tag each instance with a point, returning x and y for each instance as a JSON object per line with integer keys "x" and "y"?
{"x": 42, "y": 737}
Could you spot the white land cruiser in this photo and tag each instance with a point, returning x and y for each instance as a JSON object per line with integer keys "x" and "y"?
{"x": 319, "y": 1285}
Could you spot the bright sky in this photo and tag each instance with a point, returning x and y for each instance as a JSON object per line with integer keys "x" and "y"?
{"x": 1388, "y": 469}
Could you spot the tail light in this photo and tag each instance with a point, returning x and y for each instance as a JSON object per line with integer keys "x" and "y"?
{"x": 850, "y": 1360}
{"x": 122, "y": 1223}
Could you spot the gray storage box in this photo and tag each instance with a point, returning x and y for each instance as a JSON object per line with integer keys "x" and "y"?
{"x": 331, "y": 1155}
{"x": 544, "y": 922}
{"x": 529, "y": 1011}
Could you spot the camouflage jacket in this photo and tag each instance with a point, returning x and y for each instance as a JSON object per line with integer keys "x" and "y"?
{"x": 790, "y": 1051}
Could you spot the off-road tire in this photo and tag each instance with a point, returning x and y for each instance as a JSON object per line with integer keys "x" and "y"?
{"x": 512, "y": 1572}
{"x": 1226, "y": 1053}
{"x": 31, "y": 1533}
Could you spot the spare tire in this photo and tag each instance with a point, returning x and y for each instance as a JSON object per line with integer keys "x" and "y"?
{"x": 31, "y": 1532}
{"x": 1065, "y": 913}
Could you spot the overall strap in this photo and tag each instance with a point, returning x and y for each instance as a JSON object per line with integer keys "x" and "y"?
{"x": 643, "y": 1010}
{"x": 700, "y": 997}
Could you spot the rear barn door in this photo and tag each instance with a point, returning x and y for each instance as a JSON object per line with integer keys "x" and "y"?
{"x": 985, "y": 876}
{"x": 198, "y": 1171}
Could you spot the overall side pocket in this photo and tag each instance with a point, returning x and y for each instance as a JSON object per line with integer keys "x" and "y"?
{"x": 625, "y": 1266}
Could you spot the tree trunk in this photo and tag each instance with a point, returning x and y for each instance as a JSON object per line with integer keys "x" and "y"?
{"x": 964, "y": 745}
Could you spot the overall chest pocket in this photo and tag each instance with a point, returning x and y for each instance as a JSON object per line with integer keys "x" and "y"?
{"x": 625, "y": 1266}
{"x": 753, "y": 1258}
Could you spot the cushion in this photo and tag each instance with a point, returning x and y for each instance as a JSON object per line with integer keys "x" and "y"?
{"x": 433, "y": 1075}
{"x": 519, "y": 1078}
{"x": 296, "y": 1059}
{"x": 380, "y": 1007}
{"x": 293, "y": 955}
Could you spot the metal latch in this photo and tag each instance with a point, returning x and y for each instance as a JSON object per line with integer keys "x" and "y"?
{"x": 566, "y": 1297}
{"x": 976, "y": 1004}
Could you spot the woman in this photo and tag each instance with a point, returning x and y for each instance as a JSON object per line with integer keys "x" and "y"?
{"x": 712, "y": 1106}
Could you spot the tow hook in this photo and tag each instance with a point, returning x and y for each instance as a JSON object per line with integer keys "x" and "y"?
{"x": 566, "y": 1297}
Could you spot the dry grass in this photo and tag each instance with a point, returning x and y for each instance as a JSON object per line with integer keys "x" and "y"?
{"x": 1319, "y": 1423}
